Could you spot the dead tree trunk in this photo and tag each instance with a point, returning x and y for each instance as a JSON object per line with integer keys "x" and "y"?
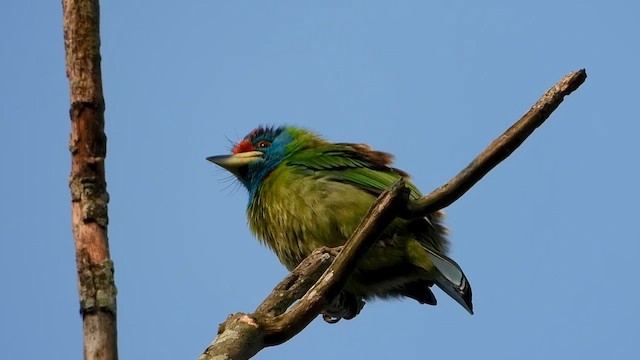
{"x": 89, "y": 197}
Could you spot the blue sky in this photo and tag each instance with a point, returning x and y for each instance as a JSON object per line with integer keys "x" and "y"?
{"x": 549, "y": 239}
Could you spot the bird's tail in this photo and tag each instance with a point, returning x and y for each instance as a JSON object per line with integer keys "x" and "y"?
{"x": 451, "y": 279}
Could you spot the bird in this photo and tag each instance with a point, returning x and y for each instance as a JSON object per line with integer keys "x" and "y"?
{"x": 306, "y": 192}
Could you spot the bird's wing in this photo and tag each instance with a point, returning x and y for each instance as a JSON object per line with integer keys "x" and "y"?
{"x": 369, "y": 170}
{"x": 356, "y": 164}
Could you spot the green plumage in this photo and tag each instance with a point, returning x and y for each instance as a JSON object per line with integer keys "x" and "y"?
{"x": 312, "y": 193}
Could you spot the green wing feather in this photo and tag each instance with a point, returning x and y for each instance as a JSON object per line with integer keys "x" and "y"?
{"x": 356, "y": 164}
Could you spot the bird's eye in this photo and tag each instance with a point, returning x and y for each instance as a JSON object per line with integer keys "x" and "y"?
{"x": 263, "y": 144}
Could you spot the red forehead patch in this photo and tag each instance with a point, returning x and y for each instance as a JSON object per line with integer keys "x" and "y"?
{"x": 243, "y": 146}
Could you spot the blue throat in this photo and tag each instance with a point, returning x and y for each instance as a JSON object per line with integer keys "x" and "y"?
{"x": 273, "y": 157}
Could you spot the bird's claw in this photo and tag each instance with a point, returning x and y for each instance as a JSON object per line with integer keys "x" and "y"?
{"x": 345, "y": 306}
{"x": 330, "y": 319}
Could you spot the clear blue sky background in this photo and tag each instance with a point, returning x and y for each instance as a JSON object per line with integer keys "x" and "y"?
{"x": 549, "y": 239}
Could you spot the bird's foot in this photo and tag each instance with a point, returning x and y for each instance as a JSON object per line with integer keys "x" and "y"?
{"x": 345, "y": 306}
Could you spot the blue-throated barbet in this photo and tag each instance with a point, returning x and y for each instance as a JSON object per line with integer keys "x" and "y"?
{"x": 306, "y": 192}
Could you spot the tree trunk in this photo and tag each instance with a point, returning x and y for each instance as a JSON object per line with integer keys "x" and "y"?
{"x": 89, "y": 197}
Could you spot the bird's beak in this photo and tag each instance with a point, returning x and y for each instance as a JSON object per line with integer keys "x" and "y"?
{"x": 233, "y": 163}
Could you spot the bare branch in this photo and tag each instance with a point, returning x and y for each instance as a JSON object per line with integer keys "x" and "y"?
{"x": 89, "y": 197}
{"x": 279, "y": 318}
{"x": 297, "y": 283}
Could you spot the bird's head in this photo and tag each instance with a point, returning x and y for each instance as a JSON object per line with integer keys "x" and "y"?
{"x": 261, "y": 151}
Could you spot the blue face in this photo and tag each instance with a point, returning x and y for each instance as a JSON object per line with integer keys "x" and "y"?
{"x": 272, "y": 143}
